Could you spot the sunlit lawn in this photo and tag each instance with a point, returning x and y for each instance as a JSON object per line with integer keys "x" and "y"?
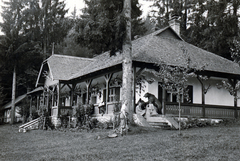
{"x": 220, "y": 143}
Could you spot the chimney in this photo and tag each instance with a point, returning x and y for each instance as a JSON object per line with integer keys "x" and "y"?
{"x": 174, "y": 23}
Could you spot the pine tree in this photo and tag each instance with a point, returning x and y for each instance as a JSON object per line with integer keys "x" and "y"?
{"x": 102, "y": 25}
{"x": 13, "y": 44}
{"x": 17, "y": 46}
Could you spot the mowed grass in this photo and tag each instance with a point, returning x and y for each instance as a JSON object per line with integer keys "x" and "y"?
{"x": 221, "y": 143}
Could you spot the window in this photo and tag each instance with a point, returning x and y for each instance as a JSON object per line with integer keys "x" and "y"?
{"x": 84, "y": 98}
{"x": 172, "y": 97}
{"x": 113, "y": 94}
{"x": 190, "y": 95}
{"x": 94, "y": 99}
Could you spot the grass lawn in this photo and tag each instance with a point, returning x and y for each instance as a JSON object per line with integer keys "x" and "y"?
{"x": 221, "y": 143}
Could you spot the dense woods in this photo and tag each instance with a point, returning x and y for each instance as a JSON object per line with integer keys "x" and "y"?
{"x": 33, "y": 28}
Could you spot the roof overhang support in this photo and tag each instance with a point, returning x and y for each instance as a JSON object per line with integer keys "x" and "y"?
{"x": 233, "y": 83}
{"x": 72, "y": 93}
{"x": 58, "y": 96}
{"x": 88, "y": 84}
{"x": 108, "y": 78}
{"x": 134, "y": 88}
{"x": 94, "y": 75}
{"x": 204, "y": 91}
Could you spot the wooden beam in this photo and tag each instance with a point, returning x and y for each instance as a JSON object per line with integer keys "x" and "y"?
{"x": 139, "y": 71}
{"x": 108, "y": 78}
{"x": 58, "y": 97}
{"x": 94, "y": 75}
{"x": 88, "y": 84}
{"x": 163, "y": 101}
{"x": 69, "y": 86}
{"x": 203, "y": 96}
{"x": 47, "y": 99}
{"x": 37, "y": 102}
{"x": 134, "y": 90}
{"x": 72, "y": 93}
{"x": 62, "y": 86}
{"x": 235, "y": 99}
{"x": 30, "y": 110}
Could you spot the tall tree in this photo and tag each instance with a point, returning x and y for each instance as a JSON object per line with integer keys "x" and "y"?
{"x": 165, "y": 9}
{"x": 11, "y": 26}
{"x": 102, "y": 25}
{"x": 127, "y": 75}
{"x": 211, "y": 25}
{"x": 16, "y": 46}
{"x": 52, "y": 14}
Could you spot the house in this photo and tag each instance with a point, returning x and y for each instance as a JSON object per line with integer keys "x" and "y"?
{"x": 34, "y": 103}
{"x": 97, "y": 80}
{"x": 7, "y": 109}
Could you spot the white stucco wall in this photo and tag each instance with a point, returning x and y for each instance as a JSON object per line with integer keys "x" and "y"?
{"x": 153, "y": 89}
{"x": 214, "y": 96}
{"x": 197, "y": 90}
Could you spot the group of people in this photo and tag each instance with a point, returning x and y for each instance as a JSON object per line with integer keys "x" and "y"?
{"x": 150, "y": 108}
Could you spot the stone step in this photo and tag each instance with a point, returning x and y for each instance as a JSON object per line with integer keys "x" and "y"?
{"x": 160, "y": 125}
{"x": 166, "y": 127}
{"x": 162, "y": 118}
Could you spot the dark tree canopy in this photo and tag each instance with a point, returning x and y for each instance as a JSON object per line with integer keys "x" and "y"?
{"x": 102, "y": 25}
{"x": 211, "y": 25}
{"x": 25, "y": 22}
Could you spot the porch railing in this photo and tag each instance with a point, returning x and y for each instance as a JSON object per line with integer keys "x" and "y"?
{"x": 196, "y": 110}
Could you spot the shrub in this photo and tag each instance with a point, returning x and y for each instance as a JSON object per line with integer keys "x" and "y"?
{"x": 83, "y": 113}
{"x": 194, "y": 122}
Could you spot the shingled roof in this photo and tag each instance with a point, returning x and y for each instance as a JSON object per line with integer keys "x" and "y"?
{"x": 62, "y": 67}
{"x": 17, "y": 100}
{"x": 164, "y": 46}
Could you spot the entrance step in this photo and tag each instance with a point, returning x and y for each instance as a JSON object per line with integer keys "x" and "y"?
{"x": 29, "y": 125}
{"x": 160, "y": 125}
{"x": 163, "y": 119}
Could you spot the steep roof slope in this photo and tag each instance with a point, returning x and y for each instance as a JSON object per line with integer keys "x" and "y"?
{"x": 62, "y": 67}
{"x": 165, "y": 46}
{"x": 155, "y": 48}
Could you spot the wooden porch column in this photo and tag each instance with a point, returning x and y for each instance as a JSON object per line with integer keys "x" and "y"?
{"x": 163, "y": 101}
{"x": 30, "y": 110}
{"x": 233, "y": 83}
{"x": 235, "y": 99}
{"x": 37, "y": 102}
{"x": 47, "y": 99}
{"x": 203, "y": 96}
{"x": 107, "y": 77}
{"x": 133, "y": 110}
{"x": 58, "y": 97}
{"x": 72, "y": 93}
{"x": 88, "y": 84}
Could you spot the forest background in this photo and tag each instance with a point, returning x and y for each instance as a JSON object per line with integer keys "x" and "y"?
{"x": 33, "y": 28}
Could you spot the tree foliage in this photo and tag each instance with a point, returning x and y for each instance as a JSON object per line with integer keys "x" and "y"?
{"x": 25, "y": 26}
{"x": 211, "y": 25}
{"x": 102, "y": 25}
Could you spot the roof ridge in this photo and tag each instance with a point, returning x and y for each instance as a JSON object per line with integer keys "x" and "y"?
{"x": 73, "y": 57}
